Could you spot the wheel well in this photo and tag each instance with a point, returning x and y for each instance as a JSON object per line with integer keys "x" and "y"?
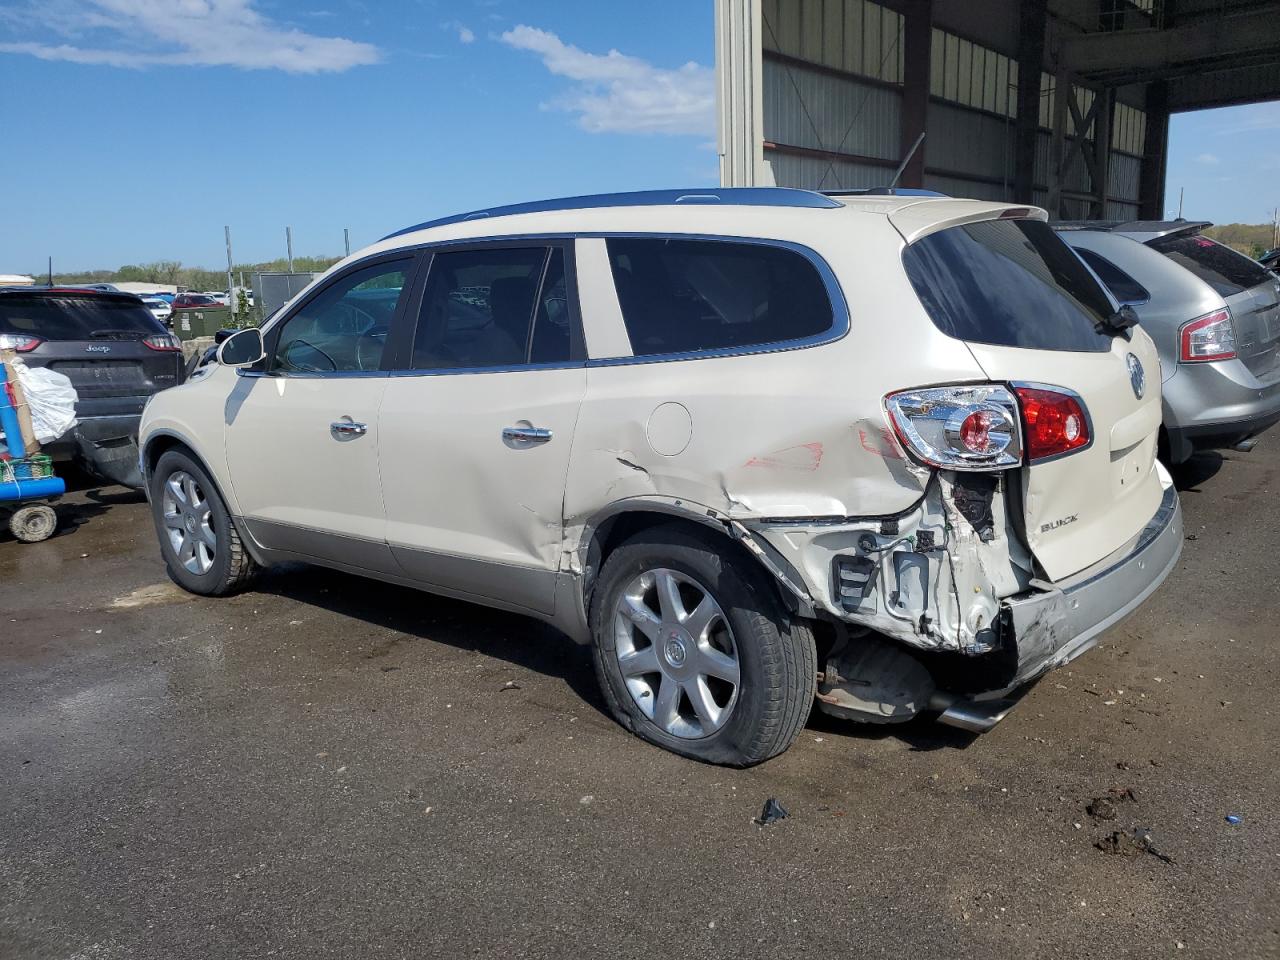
{"x": 623, "y": 526}
{"x": 158, "y": 447}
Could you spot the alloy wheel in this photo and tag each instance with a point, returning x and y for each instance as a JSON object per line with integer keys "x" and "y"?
{"x": 677, "y": 653}
{"x": 188, "y": 522}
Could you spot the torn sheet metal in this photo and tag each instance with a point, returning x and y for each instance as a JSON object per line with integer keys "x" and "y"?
{"x": 933, "y": 578}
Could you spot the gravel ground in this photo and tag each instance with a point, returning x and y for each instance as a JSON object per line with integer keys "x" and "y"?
{"x": 331, "y": 767}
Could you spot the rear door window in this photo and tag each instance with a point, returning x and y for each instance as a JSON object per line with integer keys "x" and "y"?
{"x": 1122, "y": 286}
{"x": 77, "y": 318}
{"x": 1219, "y": 266}
{"x": 1009, "y": 283}
{"x": 495, "y": 307}
{"x": 681, "y": 296}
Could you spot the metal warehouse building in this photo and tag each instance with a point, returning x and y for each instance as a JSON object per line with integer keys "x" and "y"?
{"x": 1060, "y": 103}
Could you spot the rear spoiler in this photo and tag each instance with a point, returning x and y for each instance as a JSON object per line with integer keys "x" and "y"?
{"x": 917, "y": 220}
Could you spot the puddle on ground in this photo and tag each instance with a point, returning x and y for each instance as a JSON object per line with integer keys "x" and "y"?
{"x": 152, "y": 596}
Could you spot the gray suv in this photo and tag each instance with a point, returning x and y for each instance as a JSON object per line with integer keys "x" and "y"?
{"x": 1214, "y": 315}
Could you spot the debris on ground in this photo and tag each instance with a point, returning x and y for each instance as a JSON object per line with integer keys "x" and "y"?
{"x": 1104, "y": 808}
{"x": 1234, "y": 818}
{"x": 1131, "y": 843}
{"x": 509, "y": 685}
{"x": 772, "y": 812}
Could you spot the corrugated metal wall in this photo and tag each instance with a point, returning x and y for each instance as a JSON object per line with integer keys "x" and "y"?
{"x": 832, "y": 76}
{"x": 817, "y": 111}
{"x": 836, "y": 92}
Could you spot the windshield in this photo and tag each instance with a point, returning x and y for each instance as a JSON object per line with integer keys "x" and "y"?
{"x": 1220, "y": 267}
{"x": 1011, "y": 283}
{"x": 75, "y": 318}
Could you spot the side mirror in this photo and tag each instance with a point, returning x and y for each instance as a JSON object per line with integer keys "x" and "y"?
{"x": 243, "y": 348}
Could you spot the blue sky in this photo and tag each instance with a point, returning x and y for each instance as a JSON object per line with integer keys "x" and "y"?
{"x": 145, "y": 125}
{"x": 143, "y": 132}
{"x": 1228, "y": 161}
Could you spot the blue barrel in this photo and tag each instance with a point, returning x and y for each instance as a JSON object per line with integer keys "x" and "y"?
{"x": 9, "y": 425}
{"x": 32, "y": 489}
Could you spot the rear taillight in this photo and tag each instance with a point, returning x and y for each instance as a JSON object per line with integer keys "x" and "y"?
{"x": 989, "y": 427}
{"x": 1055, "y": 422}
{"x": 1209, "y": 338}
{"x": 16, "y": 341}
{"x": 967, "y": 427}
{"x": 165, "y": 342}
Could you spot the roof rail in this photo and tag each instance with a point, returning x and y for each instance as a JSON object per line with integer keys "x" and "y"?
{"x": 734, "y": 196}
{"x": 885, "y": 192}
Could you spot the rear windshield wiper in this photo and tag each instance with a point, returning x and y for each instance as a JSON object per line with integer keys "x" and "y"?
{"x": 1120, "y": 322}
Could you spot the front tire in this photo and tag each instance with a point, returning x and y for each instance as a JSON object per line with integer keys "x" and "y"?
{"x": 695, "y": 652}
{"x": 199, "y": 541}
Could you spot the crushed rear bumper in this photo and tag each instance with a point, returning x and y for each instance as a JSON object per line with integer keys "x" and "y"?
{"x": 1052, "y": 627}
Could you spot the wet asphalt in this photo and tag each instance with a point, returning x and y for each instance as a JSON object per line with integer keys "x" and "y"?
{"x": 330, "y": 767}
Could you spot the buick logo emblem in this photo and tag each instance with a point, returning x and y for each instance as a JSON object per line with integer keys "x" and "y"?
{"x": 1137, "y": 376}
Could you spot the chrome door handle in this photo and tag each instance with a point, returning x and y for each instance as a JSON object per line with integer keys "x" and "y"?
{"x": 349, "y": 428}
{"x": 526, "y": 434}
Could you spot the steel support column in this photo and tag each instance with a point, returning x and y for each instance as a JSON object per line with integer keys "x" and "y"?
{"x": 917, "y": 38}
{"x": 1156, "y": 155}
{"x": 1032, "y": 17}
{"x": 739, "y": 99}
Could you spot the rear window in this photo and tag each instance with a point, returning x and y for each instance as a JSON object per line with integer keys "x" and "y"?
{"x": 76, "y": 318}
{"x": 1010, "y": 283}
{"x": 1122, "y": 286}
{"x": 1220, "y": 267}
{"x": 681, "y": 296}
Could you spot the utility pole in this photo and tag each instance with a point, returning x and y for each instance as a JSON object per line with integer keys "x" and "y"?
{"x": 1275, "y": 228}
{"x": 346, "y": 240}
{"x": 51, "y": 270}
{"x": 231, "y": 287}
{"x": 288, "y": 240}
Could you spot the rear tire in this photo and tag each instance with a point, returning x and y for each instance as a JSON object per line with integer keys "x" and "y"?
{"x": 198, "y": 539}
{"x": 719, "y": 671}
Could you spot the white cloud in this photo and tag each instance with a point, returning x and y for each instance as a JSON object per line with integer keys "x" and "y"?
{"x": 616, "y": 93}
{"x": 465, "y": 33}
{"x": 1207, "y": 158}
{"x": 141, "y": 33}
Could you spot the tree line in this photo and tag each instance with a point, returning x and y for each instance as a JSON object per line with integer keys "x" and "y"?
{"x": 175, "y": 273}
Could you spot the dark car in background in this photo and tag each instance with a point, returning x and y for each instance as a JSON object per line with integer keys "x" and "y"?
{"x": 194, "y": 301}
{"x": 1214, "y": 315}
{"x": 114, "y": 351}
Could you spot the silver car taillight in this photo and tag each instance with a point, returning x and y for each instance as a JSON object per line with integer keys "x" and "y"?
{"x": 963, "y": 427}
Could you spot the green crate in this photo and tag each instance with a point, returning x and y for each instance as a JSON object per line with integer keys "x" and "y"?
{"x": 189, "y": 323}
{"x": 35, "y": 467}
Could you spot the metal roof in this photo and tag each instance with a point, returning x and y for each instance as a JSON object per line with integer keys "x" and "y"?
{"x": 737, "y": 196}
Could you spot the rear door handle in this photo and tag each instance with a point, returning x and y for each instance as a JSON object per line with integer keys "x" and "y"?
{"x": 526, "y": 434}
{"x": 348, "y": 428}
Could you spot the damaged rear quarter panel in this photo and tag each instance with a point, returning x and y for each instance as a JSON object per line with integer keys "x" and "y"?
{"x": 792, "y": 434}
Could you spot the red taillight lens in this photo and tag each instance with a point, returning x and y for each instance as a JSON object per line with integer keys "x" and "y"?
{"x": 164, "y": 342}
{"x": 1055, "y": 422}
{"x": 1209, "y": 338}
{"x": 19, "y": 342}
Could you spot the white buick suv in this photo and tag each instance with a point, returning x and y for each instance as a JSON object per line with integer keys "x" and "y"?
{"x": 758, "y": 447}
